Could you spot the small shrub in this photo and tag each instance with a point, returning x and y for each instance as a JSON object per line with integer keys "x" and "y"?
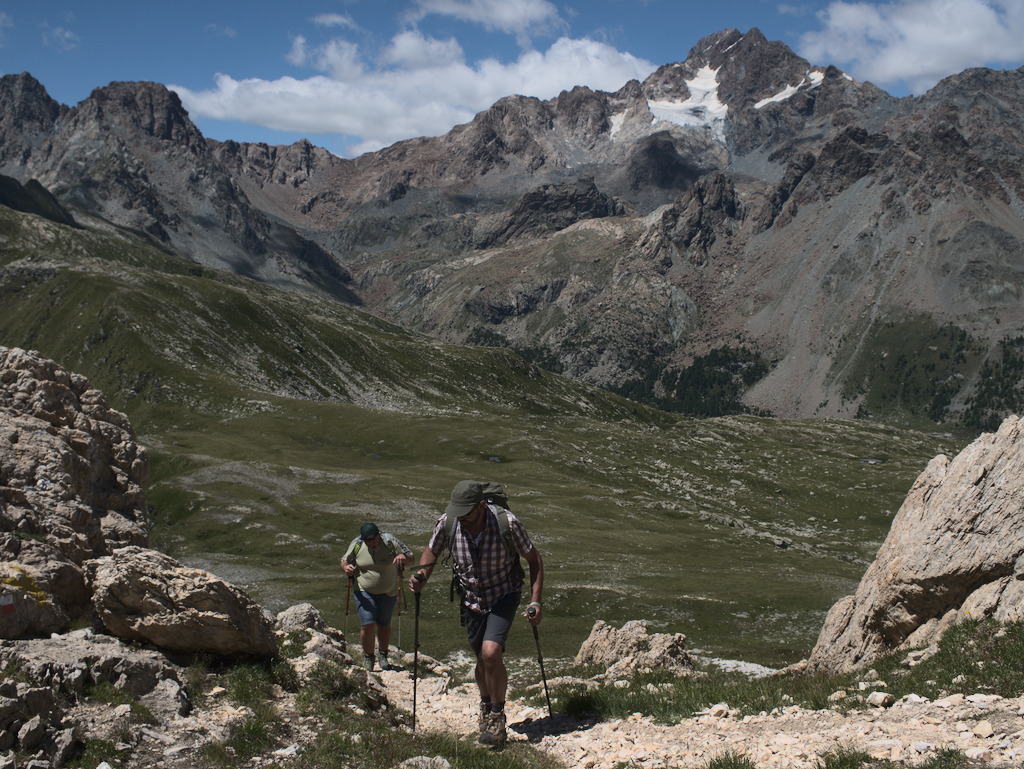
{"x": 95, "y": 753}
{"x": 246, "y": 738}
{"x": 110, "y": 694}
{"x": 197, "y": 680}
{"x": 731, "y": 760}
{"x": 842, "y": 758}
{"x": 947, "y": 758}
{"x": 284, "y": 675}
{"x": 248, "y": 684}
{"x": 294, "y": 644}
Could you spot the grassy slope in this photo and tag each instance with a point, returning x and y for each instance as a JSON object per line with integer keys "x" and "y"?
{"x": 277, "y": 423}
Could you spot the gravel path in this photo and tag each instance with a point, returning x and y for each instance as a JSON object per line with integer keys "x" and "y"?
{"x": 986, "y": 728}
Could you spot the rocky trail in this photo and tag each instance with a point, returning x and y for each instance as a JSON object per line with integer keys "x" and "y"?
{"x": 986, "y": 728}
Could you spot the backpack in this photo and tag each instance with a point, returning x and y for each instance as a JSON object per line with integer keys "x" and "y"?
{"x": 494, "y": 494}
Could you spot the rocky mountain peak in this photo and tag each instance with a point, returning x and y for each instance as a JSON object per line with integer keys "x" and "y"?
{"x": 149, "y": 108}
{"x": 28, "y": 111}
{"x": 891, "y": 198}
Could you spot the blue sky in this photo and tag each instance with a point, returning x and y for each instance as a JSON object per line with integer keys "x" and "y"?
{"x": 357, "y": 75}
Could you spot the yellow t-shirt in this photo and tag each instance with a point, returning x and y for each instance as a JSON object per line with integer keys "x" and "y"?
{"x": 377, "y": 571}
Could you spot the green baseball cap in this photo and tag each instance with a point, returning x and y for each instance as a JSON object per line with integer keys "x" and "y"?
{"x": 465, "y": 496}
{"x": 369, "y": 531}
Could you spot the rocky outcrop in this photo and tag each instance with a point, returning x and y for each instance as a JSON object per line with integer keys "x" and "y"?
{"x": 955, "y": 551}
{"x": 33, "y": 198}
{"x": 142, "y": 595}
{"x": 73, "y": 527}
{"x": 35, "y": 718}
{"x": 553, "y": 207}
{"x": 633, "y": 648}
{"x": 69, "y": 664}
{"x": 71, "y": 488}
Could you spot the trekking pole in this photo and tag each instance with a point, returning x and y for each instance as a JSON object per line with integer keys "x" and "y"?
{"x": 531, "y": 612}
{"x": 415, "y": 658}
{"x": 348, "y": 602}
{"x": 401, "y": 573}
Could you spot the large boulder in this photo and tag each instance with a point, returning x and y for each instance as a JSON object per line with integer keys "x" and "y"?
{"x": 41, "y": 590}
{"x": 632, "y": 648}
{"x": 143, "y": 595}
{"x": 71, "y": 480}
{"x": 955, "y": 550}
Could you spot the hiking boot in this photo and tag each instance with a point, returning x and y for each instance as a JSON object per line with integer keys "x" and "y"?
{"x": 368, "y": 661}
{"x": 382, "y": 660}
{"x": 494, "y": 736}
{"x": 485, "y": 711}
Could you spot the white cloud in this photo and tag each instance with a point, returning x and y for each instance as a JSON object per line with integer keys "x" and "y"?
{"x": 522, "y": 18}
{"x": 60, "y": 37}
{"x": 220, "y": 31}
{"x": 917, "y": 42}
{"x": 335, "y": 20}
{"x": 422, "y": 87}
{"x": 298, "y": 55}
{"x": 414, "y": 51}
{"x": 5, "y": 22}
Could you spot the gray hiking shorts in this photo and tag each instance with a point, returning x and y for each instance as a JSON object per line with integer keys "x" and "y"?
{"x": 492, "y": 626}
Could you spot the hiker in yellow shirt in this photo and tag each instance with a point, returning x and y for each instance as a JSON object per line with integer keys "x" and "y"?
{"x": 374, "y": 560}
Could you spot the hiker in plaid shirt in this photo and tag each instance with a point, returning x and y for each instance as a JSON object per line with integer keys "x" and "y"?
{"x": 490, "y": 581}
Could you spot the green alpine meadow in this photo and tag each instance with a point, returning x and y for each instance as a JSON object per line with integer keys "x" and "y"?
{"x": 278, "y": 422}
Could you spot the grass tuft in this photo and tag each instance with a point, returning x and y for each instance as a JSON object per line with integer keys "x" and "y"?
{"x": 975, "y": 655}
{"x": 843, "y": 758}
{"x": 731, "y": 760}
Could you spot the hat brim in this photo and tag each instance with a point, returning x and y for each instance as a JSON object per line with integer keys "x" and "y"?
{"x": 459, "y": 509}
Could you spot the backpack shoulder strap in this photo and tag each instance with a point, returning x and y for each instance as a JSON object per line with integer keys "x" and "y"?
{"x": 503, "y": 527}
{"x": 354, "y": 546}
{"x": 389, "y": 541}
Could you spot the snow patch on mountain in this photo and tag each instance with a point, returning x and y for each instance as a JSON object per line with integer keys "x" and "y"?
{"x": 702, "y": 108}
{"x": 812, "y": 80}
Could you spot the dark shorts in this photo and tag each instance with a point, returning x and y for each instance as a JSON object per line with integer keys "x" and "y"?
{"x": 492, "y": 626}
{"x": 375, "y": 609}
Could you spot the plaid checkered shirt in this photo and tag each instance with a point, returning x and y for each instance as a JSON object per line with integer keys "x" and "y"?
{"x": 483, "y": 567}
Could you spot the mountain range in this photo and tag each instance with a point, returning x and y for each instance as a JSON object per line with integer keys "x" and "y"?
{"x": 743, "y": 230}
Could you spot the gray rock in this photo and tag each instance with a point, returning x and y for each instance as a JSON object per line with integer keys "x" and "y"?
{"x": 142, "y": 595}
{"x": 38, "y": 700}
{"x": 31, "y": 734}
{"x": 167, "y": 700}
{"x": 632, "y": 647}
{"x": 954, "y": 551}
{"x": 9, "y": 708}
{"x": 71, "y": 661}
{"x": 65, "y": 745}
{"x": 881, "y": 699}
{"x": 303, "y": 616}
{"x": 425, "y": 762}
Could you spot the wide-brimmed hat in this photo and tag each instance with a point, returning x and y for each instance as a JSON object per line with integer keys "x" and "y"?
{"x": 465, "y": 496}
